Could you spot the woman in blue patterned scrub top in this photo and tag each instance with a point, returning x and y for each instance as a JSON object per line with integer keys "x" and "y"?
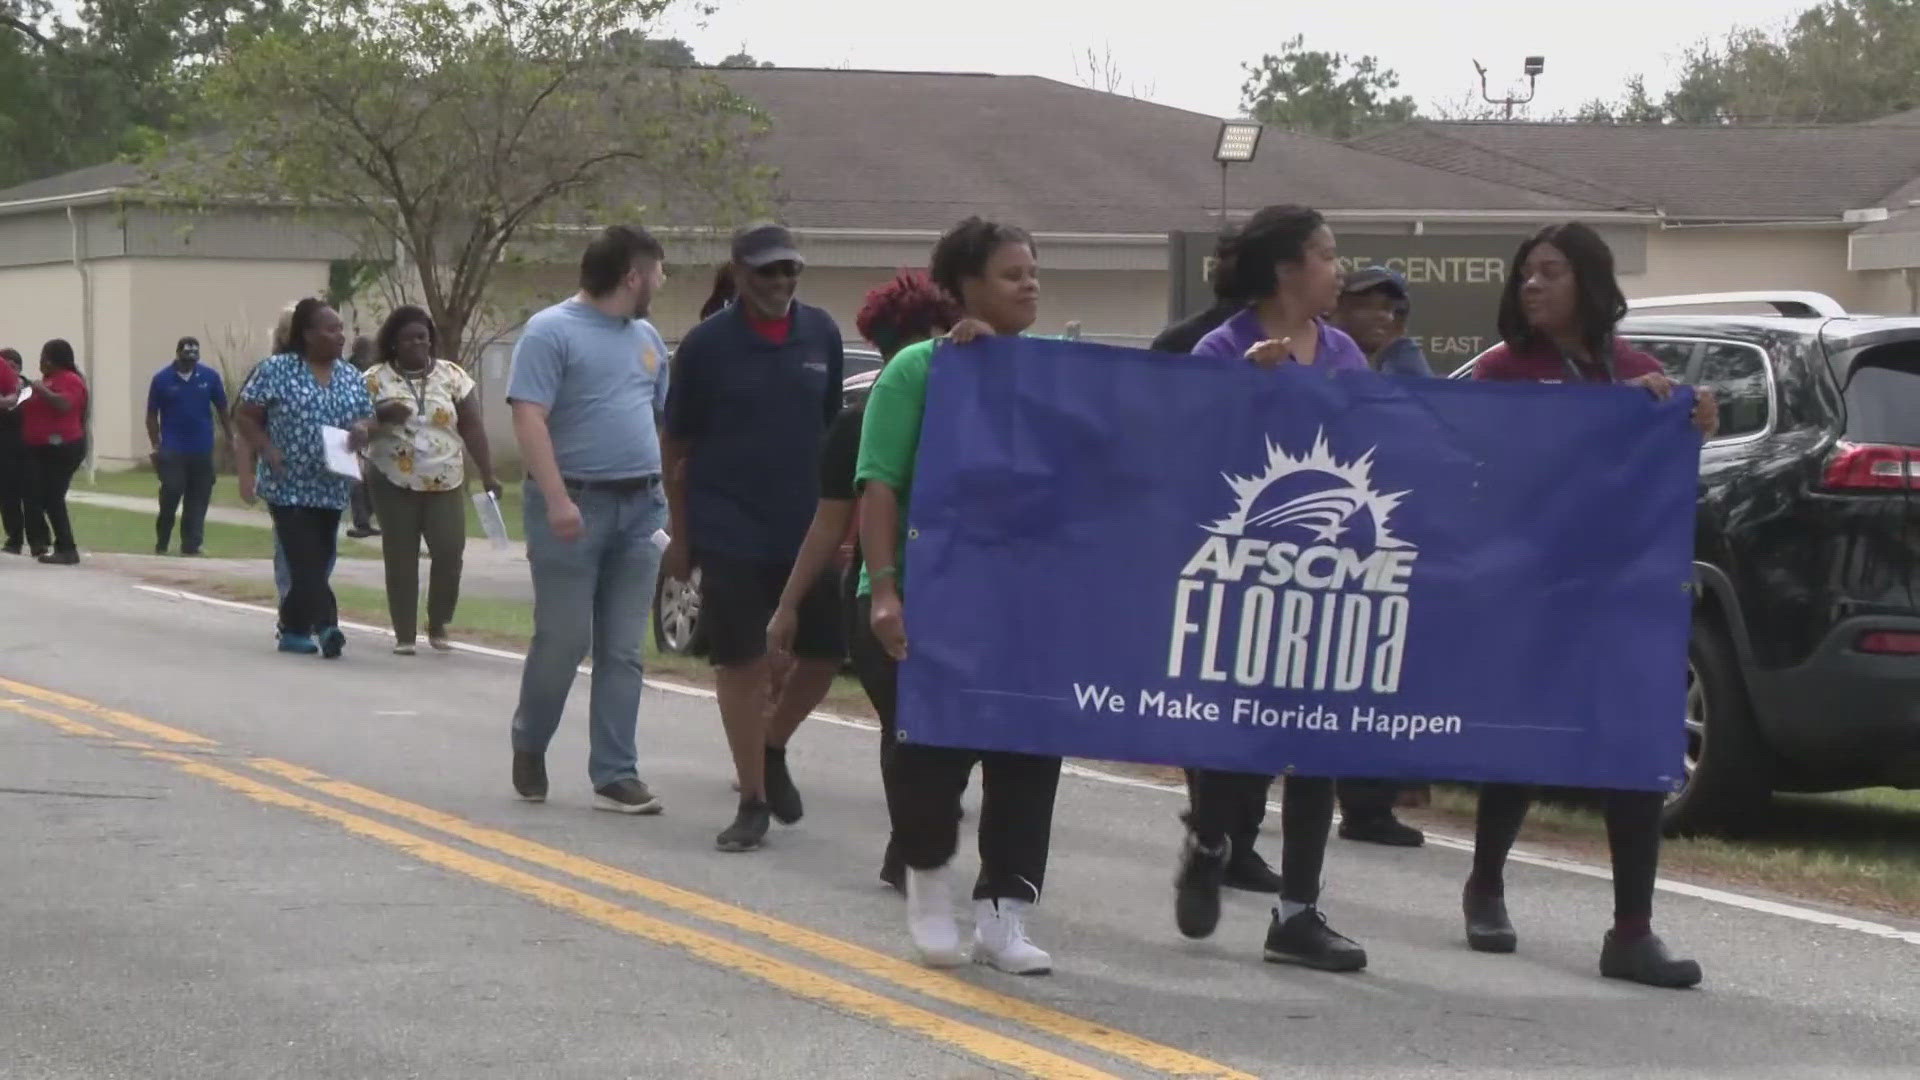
{"x": 291, "y": 398}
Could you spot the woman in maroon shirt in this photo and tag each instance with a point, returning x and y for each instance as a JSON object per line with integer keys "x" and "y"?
{"x": 53, "y": 425}
{"x": 1557, "y": 322}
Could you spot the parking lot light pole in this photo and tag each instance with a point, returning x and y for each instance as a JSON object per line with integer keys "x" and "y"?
{"x": 1239, "y": 140}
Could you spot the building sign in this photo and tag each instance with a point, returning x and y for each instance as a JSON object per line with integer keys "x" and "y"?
{"x": 1455, "y": 282}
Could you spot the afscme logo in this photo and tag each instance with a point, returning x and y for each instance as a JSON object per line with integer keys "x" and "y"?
{"x": 1303, "y": 584}
{"x": 1323, "y": 512}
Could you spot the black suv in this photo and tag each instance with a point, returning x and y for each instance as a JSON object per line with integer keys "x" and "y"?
{"x": 1804, "y": 670}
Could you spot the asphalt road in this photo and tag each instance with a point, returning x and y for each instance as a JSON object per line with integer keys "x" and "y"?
{"x": 221, "y": 862}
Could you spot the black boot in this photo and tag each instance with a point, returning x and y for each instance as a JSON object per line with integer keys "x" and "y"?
{"x": 1196, "y": 898}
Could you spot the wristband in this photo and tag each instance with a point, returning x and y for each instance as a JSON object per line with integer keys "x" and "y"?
{"x": 875, "y": 573}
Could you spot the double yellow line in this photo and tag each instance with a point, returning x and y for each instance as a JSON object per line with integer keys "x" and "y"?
{"x": 789, "y": 977}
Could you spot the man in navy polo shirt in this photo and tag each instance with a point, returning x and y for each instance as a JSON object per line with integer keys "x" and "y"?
{"x": 753, "y": 390}
{"x": 183, "y": 401}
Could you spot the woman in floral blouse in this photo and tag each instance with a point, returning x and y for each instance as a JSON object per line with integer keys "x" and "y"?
{"x": 430, "y": 425}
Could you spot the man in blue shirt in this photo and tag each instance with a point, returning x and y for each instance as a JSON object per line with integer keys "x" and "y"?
{"x": 754, "y": 388}
{"x": 183, "y": 401}
{"x": 589, "y": 376}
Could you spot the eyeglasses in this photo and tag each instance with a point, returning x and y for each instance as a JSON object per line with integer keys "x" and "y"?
{"x": 783, "y": 268}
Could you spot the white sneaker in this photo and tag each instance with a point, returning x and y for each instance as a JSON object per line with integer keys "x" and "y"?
{"x": 930, "y": 918}
{"x": 1000, "y": 938}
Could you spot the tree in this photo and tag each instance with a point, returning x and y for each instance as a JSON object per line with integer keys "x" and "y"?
{"x": 744, "y": 59}
{"x": 451, "y": 134}
{"x": 1637, "y": 107}
{"x": 81, "y": 92}
{"x": 1098, "y": 70}
{"x": 1838, "y": 62}
{"x": 1324, "y": 93}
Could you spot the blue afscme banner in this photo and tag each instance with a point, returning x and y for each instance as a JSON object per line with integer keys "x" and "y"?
{"x": 1132, "y": 556}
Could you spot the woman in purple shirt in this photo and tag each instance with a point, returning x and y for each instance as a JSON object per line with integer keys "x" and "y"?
{"x": 1289, "y": 265}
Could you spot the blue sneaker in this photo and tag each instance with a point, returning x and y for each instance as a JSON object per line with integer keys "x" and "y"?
{"x": 303, "y": 644}
{"x": 332, "y": 643}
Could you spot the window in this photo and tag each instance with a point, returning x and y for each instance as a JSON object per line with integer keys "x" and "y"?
{"x": 1737, "y": 375}
{"x": 1883, "y": 395}
{"x": 1673, "y": 355}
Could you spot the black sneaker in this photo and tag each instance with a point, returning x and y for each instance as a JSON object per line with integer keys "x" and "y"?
{"x": 61, "y": 558}
{"x": 1488, "y": 928}
{"x": 530, "y": 776}
{"x": 1385, "y": 829}
{"x": 1307, "y": 940}
{"x": 361, "y": 532}
{"x": 626, "y": 797}
{"x": 1196, "y": 889}
{"x": 333, "y": 642}
{"x": 159, "y": 549}
{"x": 1646, "y": 961}
{"x": 783, "y": 799}
{"x": 10, "y": 549}
{"x": 1247, "y": 871}
{"x": 749, "y": 828}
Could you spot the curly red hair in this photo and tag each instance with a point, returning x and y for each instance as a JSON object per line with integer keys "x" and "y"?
{"x": 904, "y": 310}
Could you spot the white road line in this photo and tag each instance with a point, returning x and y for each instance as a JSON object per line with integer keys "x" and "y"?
{"x": 1452, "y": 843}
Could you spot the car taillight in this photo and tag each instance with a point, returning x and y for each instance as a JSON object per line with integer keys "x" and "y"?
{"x": 1871, "y": 467}
{"x": 1889, "y": 642}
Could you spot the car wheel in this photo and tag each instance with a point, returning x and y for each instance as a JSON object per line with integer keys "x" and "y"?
{"x": 1728, "y": 769}
{"x": 676, "y": 615}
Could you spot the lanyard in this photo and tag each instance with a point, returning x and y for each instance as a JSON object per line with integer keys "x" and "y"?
{"x": 419, "y": 392}
{"x": 1579, "y": 375}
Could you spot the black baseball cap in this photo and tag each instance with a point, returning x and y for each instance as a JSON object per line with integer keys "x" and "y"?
{"x": 1376, "y": 278}
{"x": 760, "y": 245}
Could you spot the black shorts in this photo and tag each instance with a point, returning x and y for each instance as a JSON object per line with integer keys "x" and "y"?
{"x": 738, "y": 598}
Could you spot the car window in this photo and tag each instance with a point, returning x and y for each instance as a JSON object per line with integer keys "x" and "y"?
{"x": 1737, "y": 375}
{"x": 1673, "y": 355}
{"x": 1883, "y": 396}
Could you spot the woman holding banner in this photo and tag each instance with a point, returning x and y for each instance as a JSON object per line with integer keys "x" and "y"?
{"x": 1557, "y": 320}
{"x": 1286, "y": 262}
{"x": 904, "y": 312}
{"x": 990, "y": 269}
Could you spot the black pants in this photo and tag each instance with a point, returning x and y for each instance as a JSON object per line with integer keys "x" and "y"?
{"x": 50, "y": 472}
{"x": 1220, "y": 800}
{"x": 1368, "y": 800}
{"x": 184, "y": 478}
{"x": 924, "y": 785}
{"x": 1240, "y": 803}
{"x": 1633, "y": 835}
{"x": 307, "y": 536}
{"x": 13, "y": 482}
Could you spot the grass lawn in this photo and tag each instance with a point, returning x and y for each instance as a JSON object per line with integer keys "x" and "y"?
{"x": 1859, "y": 847}
{"x": 508, "y": 624}
{"x": 104, "y": 529}
{"x": 141, "y": 483}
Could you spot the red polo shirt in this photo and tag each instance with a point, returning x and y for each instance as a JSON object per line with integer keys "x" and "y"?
{"x": 1539, "y": 361}
{"x": 41, "y": 423}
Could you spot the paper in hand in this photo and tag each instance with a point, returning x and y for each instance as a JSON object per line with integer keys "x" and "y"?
{"x": 340, "y": 459}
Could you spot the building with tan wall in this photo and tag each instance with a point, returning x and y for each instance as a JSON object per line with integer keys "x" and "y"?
{"x": 871, "y": 166}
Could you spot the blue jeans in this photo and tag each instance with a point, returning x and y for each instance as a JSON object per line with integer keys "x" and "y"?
{"x": 592, "y": 594}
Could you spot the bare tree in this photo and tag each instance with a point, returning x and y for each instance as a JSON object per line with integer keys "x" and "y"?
{"x": 1096, "y": 69}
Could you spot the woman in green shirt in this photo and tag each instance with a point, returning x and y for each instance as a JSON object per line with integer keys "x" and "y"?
{"x": 990, "y": 269}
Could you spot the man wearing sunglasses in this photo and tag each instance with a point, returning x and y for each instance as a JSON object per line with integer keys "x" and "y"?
{"x": 754, "y": 388}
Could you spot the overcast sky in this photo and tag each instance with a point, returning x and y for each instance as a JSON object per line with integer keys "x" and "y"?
{"x": 1188, "y": 54}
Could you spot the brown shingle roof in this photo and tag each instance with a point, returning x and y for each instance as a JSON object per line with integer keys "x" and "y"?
{"x": 1728, "y": 172}
{"x": 917, "y": 151}
{"x": 905, "y": 150}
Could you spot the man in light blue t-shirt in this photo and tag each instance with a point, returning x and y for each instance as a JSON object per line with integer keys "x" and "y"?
{"x": 589, "y": 379}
